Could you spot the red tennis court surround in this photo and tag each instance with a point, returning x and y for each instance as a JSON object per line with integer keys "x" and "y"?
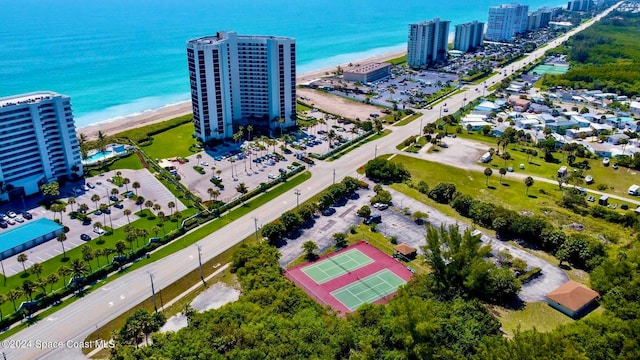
{"x": 322, "y": 292}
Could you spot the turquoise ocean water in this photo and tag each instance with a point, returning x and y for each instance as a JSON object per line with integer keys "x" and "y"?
{"x": 120, "y": 57}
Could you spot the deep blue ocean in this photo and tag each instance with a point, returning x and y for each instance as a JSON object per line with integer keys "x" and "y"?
{"x": 119, "y": 57}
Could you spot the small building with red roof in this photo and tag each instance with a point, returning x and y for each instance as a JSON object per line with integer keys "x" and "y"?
{"x": 573, "y": 299}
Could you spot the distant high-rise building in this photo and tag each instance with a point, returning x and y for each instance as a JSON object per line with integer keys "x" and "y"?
{"x": 38, "y": 141}
{"x": 580, "y": 5}
{"x": 468, "y": 36}
{"x": 506, "y": 20}
{"x": 428, "y": 42}
{"x": 540, "y": 18}
{"x": 241, "y": 80}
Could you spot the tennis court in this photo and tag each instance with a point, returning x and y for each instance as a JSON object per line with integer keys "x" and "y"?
{"x": 336, "y": 266}
{"x": 550, "y": 69}
{"x": 369, "y": 289}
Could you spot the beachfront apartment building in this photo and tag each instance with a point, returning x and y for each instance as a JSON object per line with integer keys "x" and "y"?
{"x": 506, "y": 21}
{"x": 580, "y": 5}
{"x": 38, "y": 142}
{"x": 540, "y": 18}
{"x": 468, "y": 36}
{"x": 241, "y": 80}
{"x": 428, "y": 42}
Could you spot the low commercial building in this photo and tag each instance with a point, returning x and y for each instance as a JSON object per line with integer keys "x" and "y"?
{"x": 24, "y": 237}
{"x": 573, "y": 299}
{"x": 367, "y": 73}
{"x": 518, "y": 104}
{"x": 404, "y": 252}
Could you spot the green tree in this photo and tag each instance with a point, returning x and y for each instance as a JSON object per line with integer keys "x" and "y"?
{"x": 242, "y": 190}
{"x": 488, "y": 172}
{"x": 22, "y": 258}
{"x": 136, "y": 186}
{"x": 340, "y": 240}
{"x": 28, "y": 287}
{"x": 309, "y": 248}
{"x": 419, "y": 216}
{"x": 528, "y": 182}
{"x": 37, "y": 269}
{"x": 503, "y": 172}
{"x": 50, "y": 190}
{"x": 364, "y": 211}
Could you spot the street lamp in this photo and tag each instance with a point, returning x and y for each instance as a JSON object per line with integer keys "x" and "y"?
{"x": 255, "y": 223}
{"x": 375, "y": 152}
{"x": 464, "y": 100}
{"x": 297, "y": 192}
{"x": 200, "y": 263}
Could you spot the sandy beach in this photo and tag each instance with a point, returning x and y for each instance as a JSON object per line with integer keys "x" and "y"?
{"x": 172, "y": 111}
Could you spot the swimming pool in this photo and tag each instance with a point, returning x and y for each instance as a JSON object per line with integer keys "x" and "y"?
{"x": 100, "y": 155}
{"x": 26, "y": 236}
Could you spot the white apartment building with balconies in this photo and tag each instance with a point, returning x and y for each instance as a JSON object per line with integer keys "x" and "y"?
{"x": 428, "y": 42}
{"x": 506, "y": 21}
{"x": 38, "y": 142}
{"x": 240, "y": 80}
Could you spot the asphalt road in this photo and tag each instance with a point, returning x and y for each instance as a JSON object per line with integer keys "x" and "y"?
{"x": 76, "y": 321}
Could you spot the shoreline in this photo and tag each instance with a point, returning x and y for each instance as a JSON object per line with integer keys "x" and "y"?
{"x": 171, "y": 111}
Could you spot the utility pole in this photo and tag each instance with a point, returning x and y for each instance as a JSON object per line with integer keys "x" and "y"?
{"x": 297, "y": 192}
{"x": 375, "y": 152}
{"x": 153, "y": 293}
{"x": 200, "y": 264}
{"x": 334, "y": 176}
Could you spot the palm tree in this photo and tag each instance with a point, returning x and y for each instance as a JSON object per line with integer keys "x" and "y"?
{"x": 62, "y": 237}
{"x": 114, "y": 192}
{"x": 502, "y": 171}
{"x": 28, "y": 287}
{"x": 102, "y": 141}
{"x": 14, "y": 295}
{"x": 88, "y": 255}
{"x": 83, "y": 208}
{"x": 98, "y": 253}
{"x": 126, "y": 213}
{"x": 51, "y": 280}
{"x": 22, "y": 258}
{"x": 210, "y": 192}
{"x": 131, "y": 236}
{"x": 82, "y": 142}
{"x": 528, "y": 182}
{"x": 3, "y": 299}
{"x": 126, "y": 182}
{"x": 156, "y": 207}
{"x": 178, "y": 215}
{"x": 331, "y": 135}
{"x": 242, "y": 189}
{"x": 199, "y": 157}
{"x": 488, "y": 172}
{"x": 120, "y": 247}
{"x": 171, "y": 205}
{"x": 103, "y": 208}
{"x": 249, "y": 130}
{"x": 156, "y": 230}
{"x": 95, "y": 198}
{"x": 140, "y": 201}
{"x": 148, "y": 204}
{"x": 143, "y": 233}
{"x": 71, "y": 201}
{"x": 106, "y": 252}
{"x": 64, "y": 271}
{"x": 78, "y": 271}
{"x": 37, "y": 269}
{"x": 98, "y": 225}
{"x": 136, "y": 186}
{"x": 160, "y": 223}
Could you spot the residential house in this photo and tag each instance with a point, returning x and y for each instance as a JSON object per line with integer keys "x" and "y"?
{"x": 573, "y": 299}
{"x": 518, "y": 104}
{"x": 616, "y": 139}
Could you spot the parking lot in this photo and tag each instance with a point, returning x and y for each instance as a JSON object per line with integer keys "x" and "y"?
{"x": 151, "y": 189}
{"x": 395, "y": 223}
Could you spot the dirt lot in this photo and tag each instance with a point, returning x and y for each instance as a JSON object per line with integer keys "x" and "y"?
{"x": 337, "y": 105}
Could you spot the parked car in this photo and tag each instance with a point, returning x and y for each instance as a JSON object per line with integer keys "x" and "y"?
{"x": 3, "y": 224}
{"x": 90, "y": 185}
{"x": 85, "y": 237}
{"x": 271, "y": 176}
{"x": 605, "y": 161}
{"x": 19, "y": 219}
{"x": 11, "y": 214}
{"x": 27, "y": 215}
{"x": 107, "y": 211}
{"x": 588, "y": 179}
{"x": 204, "y": 163}
{"x": 119, "y": 206}
{"x": 373, "y": 219}
{"x": 85, "y": 188}
{"x": 98, "y": 212}
{"x": 383, "y": 207}
{"x": 113, "y": 198}
{"x": 98, "y": 231}
{"x": 11, "y": 221}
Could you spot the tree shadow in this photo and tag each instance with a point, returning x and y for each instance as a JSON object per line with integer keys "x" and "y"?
{"x": 515, "y": 304}
{"x": 565, "y": 267}
{"x": 532, "y": 196}
{"x": 505, "y": 184}
{"x": 31, "y": 320}
{"x": 491, "y": 187}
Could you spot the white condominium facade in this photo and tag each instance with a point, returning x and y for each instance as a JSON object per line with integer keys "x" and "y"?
{"x": 428, "y": 42}
{"x": 38, "y": 142}
{"x": 468, "y": 36}
{"x": 240, "y": 80}
{"x": 507, "y": 20}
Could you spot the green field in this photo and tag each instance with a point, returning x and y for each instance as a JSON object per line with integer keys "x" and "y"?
{"x": 617, "y": 181}
{"x": 171, "y": 143}
{"x": 511, "y": 194}
{"x": 538, "y": 315}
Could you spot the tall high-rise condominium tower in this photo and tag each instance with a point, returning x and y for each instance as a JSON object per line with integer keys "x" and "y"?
{"x": 241, "y": 80}
{"x": 507, "y": 20}
{"x": 428, "y": 42}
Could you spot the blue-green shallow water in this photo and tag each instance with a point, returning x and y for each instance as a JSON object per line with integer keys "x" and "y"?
{"x": 118, "y": 57}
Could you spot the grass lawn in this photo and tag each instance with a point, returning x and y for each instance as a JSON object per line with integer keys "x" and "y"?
{"x": 510, "y": 194}
{"x": 402, "y": 60}
{"x": 300, "y": 107}
{"x": 171, "y": 143}
{"x": 408, "y": 119}
{"x": 538, "y": 315}
{"x": 130, "y": 162}
{"x": 617, "y": 181}
{"x": 355, "y": 146}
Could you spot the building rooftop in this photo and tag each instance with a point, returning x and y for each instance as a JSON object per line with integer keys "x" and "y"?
{"x": 27, "y": 98}
{"x": 573, "y": 295}
{"x": 366, "y": 68}
{"x": 404, "y": 249}
{"x": 223, "y": 35}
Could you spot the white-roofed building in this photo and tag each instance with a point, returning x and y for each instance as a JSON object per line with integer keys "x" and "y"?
{"x": 634, "y": 107}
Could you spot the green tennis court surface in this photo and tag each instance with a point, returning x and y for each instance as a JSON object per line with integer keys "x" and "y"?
{"x": 336, "y": 266}
{"x": 369, "y": 289}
